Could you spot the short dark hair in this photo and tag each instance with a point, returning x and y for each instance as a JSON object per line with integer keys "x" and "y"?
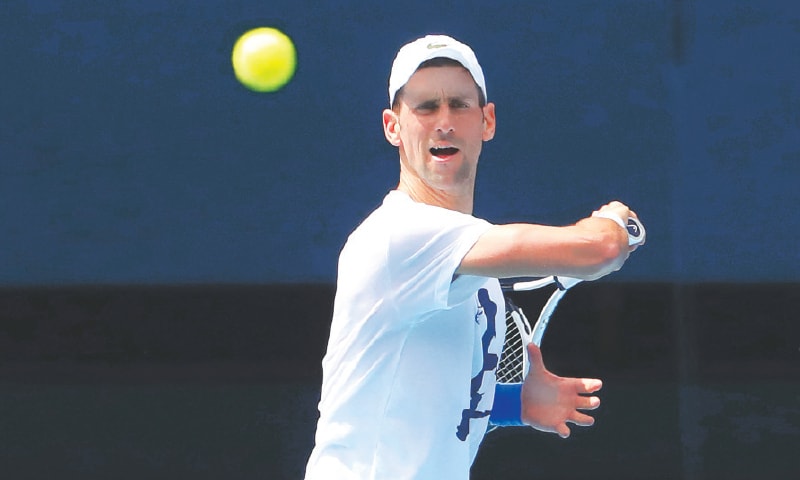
{"x": 440, "y": 62}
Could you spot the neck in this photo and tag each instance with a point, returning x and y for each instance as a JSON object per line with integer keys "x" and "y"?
{"x": 460, "y": 200}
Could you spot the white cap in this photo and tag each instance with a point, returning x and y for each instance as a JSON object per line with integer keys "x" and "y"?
{"x": 413, "y": 54}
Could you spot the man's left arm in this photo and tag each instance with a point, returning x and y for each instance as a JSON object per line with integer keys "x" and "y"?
{"x": 545, "y": 401}
{"x": 549, "y": 402}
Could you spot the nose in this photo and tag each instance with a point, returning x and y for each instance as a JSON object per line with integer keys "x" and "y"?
{"x": 444, "y": 121}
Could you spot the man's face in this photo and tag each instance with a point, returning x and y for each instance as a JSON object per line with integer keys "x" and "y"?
{"x": 440, "y": 128}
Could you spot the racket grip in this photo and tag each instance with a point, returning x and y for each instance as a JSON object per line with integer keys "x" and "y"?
{"x": 636, "y": 233}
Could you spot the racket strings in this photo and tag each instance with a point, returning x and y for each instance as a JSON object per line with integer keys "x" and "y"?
{"x": 511, "y": 368}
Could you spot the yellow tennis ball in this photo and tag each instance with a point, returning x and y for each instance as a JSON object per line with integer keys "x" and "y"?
{"x": 264, "y": 59}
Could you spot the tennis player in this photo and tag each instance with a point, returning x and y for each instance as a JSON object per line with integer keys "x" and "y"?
{"x": 408, "y": 385}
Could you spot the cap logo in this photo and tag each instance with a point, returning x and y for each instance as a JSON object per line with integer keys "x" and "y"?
{"x": 431, "y": 46}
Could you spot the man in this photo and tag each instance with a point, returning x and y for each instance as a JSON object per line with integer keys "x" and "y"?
{"x": 409, "y": 375}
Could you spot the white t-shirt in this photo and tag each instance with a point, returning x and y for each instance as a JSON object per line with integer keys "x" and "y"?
{"x": 409, "y": 374}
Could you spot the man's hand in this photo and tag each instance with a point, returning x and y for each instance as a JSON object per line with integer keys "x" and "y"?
{"x": 550, "y": 401}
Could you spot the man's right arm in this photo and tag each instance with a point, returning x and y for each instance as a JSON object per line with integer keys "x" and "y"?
{"x": 589, "y": 249}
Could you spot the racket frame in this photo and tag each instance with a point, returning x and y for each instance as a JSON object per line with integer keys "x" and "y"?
{"x": 636, "y": 236}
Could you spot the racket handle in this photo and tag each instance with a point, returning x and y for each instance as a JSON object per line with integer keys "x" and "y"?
{"x": 636, "y": 233}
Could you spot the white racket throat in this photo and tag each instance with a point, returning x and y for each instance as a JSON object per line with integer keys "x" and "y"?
{"x": 514, "y": 361}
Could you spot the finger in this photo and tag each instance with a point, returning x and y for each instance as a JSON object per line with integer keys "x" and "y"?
{"x": 587, "y": 403}
{"x": 563, "y": 430}
{"x": 581, "y": 419}
{"x": 589, "y": 385}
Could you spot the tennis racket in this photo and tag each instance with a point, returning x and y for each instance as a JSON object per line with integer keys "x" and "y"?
{"x": 513, "y": 365}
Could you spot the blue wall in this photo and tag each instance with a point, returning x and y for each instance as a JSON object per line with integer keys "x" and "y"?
{"x": 130, "y": 154}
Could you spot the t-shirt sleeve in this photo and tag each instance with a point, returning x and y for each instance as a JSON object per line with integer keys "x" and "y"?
{"x": 425, "y": 250}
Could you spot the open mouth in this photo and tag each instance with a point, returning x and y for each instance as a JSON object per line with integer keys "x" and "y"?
{"x": 443, "y": 152}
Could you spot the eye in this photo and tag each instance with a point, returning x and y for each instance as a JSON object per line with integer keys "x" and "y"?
{"x": 459, "y": 104}
{"x": 426, "y": 107}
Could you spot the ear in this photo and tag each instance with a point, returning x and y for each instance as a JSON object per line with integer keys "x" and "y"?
{"x": 489, "y": 122}
{"x": 391, "y": 127}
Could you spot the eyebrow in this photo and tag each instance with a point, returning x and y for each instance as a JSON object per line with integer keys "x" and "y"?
{"x": 435, "y": 102}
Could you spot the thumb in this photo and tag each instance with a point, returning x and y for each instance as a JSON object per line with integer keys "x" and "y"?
{"x": 535, "y": 357}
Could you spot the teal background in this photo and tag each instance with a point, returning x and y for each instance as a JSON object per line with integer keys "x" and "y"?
{"x": 130, "y": 154}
